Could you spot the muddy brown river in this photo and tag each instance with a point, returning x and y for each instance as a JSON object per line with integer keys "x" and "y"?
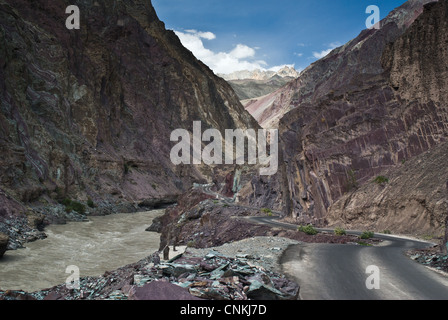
{"x": 102, "y": 244}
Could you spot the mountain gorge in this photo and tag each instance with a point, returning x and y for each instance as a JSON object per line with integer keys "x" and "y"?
{"x": 86, "y": 118}
{"x": 87, "y": 114}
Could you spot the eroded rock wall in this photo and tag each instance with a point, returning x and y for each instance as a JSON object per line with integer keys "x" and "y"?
{"x": 415, "y": 199}
{"x": 89, "y": 112}
{"x": 387, "y": 105}
{"x": 412, "y": 200}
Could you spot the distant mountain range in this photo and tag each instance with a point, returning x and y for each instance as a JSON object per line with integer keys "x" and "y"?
{"x": 285, "y": 72}
{"x": 254, "y": 84}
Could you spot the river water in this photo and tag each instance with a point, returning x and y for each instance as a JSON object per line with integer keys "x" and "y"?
{"x": 100, "y": 245}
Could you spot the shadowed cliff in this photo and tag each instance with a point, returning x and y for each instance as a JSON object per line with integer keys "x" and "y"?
{"x": 88, "y": 113}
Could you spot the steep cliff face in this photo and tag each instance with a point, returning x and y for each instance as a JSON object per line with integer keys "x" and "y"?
{"x": 415, "y": 198}
{"x": 412, "y": 198}
{"x": 368, "y": 106}
{"x": 89, "y": 112}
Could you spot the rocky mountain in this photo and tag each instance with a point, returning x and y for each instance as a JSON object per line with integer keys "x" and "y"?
{"x": 87, "y": 114}
{"x": 368, "y": 107}
{"x": 252, "y": 85}
{"x": 270, "y": 108}
{"x": 285, "y": 72}
{"x": 348, "y": 65}
{"x": 250, "y": 90}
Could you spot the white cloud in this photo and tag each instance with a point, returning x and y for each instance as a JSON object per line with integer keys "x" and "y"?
{"x": 324, "y": 53}
{"x": 320, "y": 55}
{"x": 205, "y": 35}
{"x": 242, "y": 57}
{"x": 242, "y": 51}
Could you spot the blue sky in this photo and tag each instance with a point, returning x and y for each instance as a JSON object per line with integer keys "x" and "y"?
{"x": 228, "y": 35}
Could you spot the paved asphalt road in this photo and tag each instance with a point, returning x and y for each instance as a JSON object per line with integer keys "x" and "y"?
{"x": 339, "y": 272}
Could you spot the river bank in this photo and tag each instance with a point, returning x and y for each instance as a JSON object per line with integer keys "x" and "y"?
{"x": 244, "y": 267}
{"x": 101, "y": 244}
{"x": 20, "y": 224}
{"x": 242, "y": 270}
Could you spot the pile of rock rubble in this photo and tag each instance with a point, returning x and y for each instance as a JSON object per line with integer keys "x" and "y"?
{"x": 208, "y": 274}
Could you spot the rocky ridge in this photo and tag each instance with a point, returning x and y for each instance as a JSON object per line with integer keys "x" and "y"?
{"x": 250, "y": 91}
{"x": 250, "y": 86}
{"x": 261, "y": 75}
{"x": 201, "y": 221}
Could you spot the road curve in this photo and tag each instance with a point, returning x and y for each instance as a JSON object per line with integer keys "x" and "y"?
{"x": 339, "y": 272}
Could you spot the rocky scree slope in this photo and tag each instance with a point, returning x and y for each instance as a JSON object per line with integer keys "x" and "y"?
{"x": 88, "y": 113}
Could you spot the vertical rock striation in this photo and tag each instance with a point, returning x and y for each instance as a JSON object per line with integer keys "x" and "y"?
{"x": 414, "y": 200}
{"x": 89, "y": 112}
{"x": 368, "y": 106}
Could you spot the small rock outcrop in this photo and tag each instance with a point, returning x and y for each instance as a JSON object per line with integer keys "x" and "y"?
{"x": 3, "y": 243}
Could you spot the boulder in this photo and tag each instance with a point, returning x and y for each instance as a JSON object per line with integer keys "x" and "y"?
{"x": 156, "y": 225}
{"x": 3, "y": 243}
{"x": 161, "y": 290}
